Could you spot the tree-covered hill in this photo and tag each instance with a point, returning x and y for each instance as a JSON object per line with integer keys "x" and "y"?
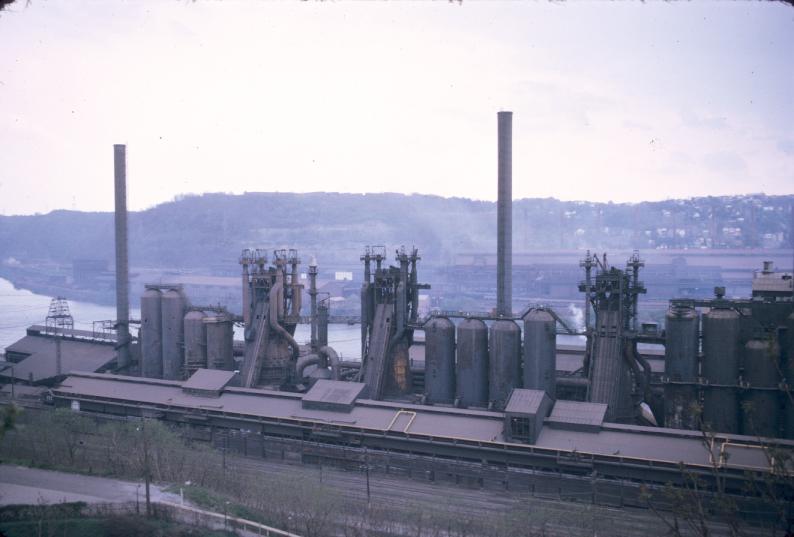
{"x": 211, "y": 229}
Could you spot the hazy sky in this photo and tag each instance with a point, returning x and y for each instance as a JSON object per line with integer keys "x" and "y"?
{"x": 612, "y": 100}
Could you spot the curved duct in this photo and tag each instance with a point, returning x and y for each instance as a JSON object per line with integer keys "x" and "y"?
{"x": 628, "y": 356}
{"x": 276, "y": 307}
{"x": 632, "y": 357}
{"x": 395, "y": 340}
{"x": 588, "y": 354}
{"x": 306, "y": 361}
{"x": 332, "y": 359}
{"x": 325, "y": 356}
{"x": 399, "y": 318}
{"x": 646, "y": 369}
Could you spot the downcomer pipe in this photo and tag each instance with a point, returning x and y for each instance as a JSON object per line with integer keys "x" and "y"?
{"x": 313, "y": 297}
{"x": 504, "y": 216}
{"x": 325, "y": 357}
{"x": 122, "y": 269}
{"x": 276, "y": 305}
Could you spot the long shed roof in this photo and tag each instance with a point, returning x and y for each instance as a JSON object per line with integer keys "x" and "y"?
{"x": 624, "y": 441}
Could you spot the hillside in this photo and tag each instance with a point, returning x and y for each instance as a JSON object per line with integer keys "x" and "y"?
{"x": 211, "y": 229}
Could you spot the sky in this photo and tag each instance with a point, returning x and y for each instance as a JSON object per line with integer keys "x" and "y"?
{"x": 611, "y": 101}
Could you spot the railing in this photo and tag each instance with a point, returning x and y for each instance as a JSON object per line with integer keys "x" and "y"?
{"x": 160, "y": 509}
{"x": 227, "y": 521}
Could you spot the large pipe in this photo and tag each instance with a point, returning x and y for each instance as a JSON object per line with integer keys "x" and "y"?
{"x": 326, "y": 357}
{"x": 277, "y": 307}
{"x": 122, "y": 268}
{"x": 332, "y": 358}
{"x": 366, "y": 301}
{"x": 245, "y": 260}
{"x": 295, "y": 288}
{"x": 304, "y": 362}
{"x": 414, "y": 287}
{"x": 504, "y": 216}
{"x": 313, "y": 300}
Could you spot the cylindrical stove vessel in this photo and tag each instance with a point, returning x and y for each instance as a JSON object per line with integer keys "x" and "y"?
{"x": 220, "y": 342}
{"x": 151, "y": 334}
{"x": 721, "y": 351}
{"x": 540, "y": 352}
{"x": 195, "y": 342}
{"x": 760, "y": 402}
{"x": 504, "y": 372}
{"x": 174, "y": 304}
{"x": 789, "y": 373}
{"x": 471, "y": 369}
{"x": 681, "y": 367}
{"x": 439, "y": 361}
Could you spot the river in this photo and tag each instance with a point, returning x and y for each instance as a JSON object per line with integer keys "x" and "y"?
{"x": 20, "y": 308}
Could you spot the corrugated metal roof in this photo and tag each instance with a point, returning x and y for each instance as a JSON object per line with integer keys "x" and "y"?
{"x": 208, "y": 379}
{"x": 578, "y": 414}
{"x": 619, "y": 443}
{"x": 649, "y": 443}
{"x": 524, "y": 401}
{"x": 333, "y": 394}
{"x": 441, "y": 422}
{"x": 75, "y": 355}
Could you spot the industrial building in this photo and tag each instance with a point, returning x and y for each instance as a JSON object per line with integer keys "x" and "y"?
{"x": 43, "y": 356}
{"x": 494, "y": 390}
{"x": 533, "y": 432}
{"x": 49, "y": 351}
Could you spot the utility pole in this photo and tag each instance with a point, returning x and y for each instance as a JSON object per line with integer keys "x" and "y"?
{"x": 366, "y": 472}
{"x": 13, "y": 380}
{"x": 146, "y": 476}
{"x": 58, "y": 366}
{"x": 225, "y": 447}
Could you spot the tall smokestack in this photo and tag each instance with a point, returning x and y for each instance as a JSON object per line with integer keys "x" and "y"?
{"x": 122, "y": 269}
{"x": 504, "y": 217}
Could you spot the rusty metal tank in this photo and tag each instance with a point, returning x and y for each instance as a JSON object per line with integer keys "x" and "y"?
{"x": 681, "y": 367}
{"x": 504, "y": 360}
{"x": 174, "y": 304}
{"x": 471, "y": 368}
{"x": 721, "y": 353}
{"x": 220, "y": 341}
{"x": 439, "y": 360}
{"x": 401, "y": 378}
{"x": 195, "y": 342}
{"x": 151, "y": 334}
{"x": 540, "y": 352}
{"x": 759, "y": 404}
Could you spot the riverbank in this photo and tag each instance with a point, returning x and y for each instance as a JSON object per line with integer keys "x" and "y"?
{"x": 55, "y": 284}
